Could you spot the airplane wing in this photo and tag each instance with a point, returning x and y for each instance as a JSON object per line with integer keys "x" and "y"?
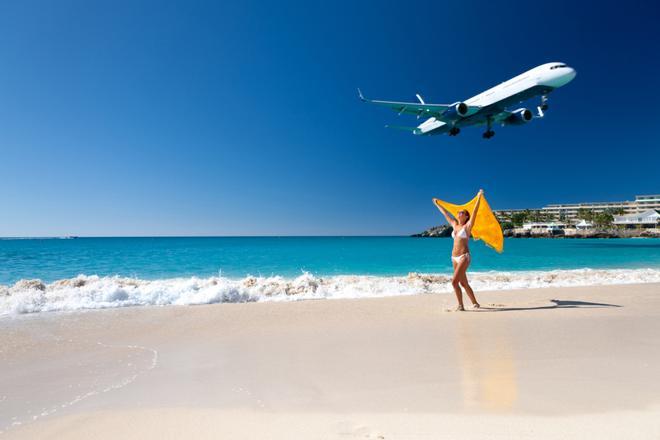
{"x": 502, "y": 116}
{"x": 417, "y": 108}
{"x": 515, "y": 117}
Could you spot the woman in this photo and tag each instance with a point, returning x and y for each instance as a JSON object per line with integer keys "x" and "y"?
{"x": 460, "y": 254}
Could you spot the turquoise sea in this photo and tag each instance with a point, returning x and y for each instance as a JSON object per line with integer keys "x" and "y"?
{"x": 63, "y": 274}
{"x": 237, "y": 257}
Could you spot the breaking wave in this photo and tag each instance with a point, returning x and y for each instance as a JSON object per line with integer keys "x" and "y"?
{"x": 94, "y": 292}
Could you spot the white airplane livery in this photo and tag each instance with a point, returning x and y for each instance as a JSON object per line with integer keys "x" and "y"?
{"x": 489, "y": 107}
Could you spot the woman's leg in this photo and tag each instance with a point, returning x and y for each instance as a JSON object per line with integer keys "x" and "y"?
{"x": 464, "y": 282}
{"x": 456, "y": 280}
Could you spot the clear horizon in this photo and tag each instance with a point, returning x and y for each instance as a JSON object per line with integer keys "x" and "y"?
{"x": 257, "y": 235}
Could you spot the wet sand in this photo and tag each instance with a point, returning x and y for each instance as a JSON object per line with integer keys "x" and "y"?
{"x": 542, "y": 363}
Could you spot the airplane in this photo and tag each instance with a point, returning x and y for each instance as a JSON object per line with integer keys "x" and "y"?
{"x": 487, "y": 108}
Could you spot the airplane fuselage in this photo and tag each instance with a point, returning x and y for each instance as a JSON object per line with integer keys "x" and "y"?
{"x": 492, "y": 103}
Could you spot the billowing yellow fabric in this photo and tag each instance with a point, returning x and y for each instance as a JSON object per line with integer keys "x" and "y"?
{"x": 486, "y": 226}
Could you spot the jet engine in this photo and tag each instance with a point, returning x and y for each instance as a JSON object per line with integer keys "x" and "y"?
{"x": 456, "y": 111}
{"x": 519, "y": 117}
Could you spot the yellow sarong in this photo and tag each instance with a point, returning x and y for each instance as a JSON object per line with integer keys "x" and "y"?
{"x": 486, "y": 227}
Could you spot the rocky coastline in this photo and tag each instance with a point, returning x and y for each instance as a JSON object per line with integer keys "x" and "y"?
{"x": 445, "y": 231}
{"x": 435, "y": 232}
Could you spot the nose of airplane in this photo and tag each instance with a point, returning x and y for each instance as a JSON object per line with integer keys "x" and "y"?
{"x": 570, "y": 74}
{"x": 558, "y": 77}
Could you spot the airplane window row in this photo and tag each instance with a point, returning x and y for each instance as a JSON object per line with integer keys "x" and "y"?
{"x": 558, "y": 66}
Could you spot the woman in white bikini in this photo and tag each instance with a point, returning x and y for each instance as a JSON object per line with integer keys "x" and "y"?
{"x": 460, "y": 254}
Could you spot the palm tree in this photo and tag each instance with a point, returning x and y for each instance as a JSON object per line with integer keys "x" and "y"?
{"x": 585, "y": 214}
{"x": 518, "y": 218}
{"x": 603, "y": 219}
{"x": 536, "y": 216}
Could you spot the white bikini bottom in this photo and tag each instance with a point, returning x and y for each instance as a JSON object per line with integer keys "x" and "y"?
{"x": 460, "y": 257}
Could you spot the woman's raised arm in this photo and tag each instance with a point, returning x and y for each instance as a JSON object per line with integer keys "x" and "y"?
{"x": 447, "y": 215}
{"x": 473, "y": 217}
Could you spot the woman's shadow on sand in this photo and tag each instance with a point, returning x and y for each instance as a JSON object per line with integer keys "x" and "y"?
{"x": 558, "y": 304}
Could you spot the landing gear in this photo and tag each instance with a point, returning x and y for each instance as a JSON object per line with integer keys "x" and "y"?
{"x": 543, "y": 107}
{"x": 489, "y": 133}
{"x": 454, "y": 131}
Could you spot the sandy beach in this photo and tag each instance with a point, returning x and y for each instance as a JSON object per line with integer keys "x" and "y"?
{"x": 539, "y": 363}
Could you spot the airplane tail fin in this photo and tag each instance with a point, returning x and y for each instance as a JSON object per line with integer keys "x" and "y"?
{"x": 413, "y": 130}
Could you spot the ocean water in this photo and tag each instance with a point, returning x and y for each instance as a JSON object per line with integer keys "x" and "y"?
{"x": 68, "y": 274}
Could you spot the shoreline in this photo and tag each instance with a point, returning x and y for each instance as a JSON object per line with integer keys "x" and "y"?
{"x": 94, "y": 292}
{"x": 534, "y": 363}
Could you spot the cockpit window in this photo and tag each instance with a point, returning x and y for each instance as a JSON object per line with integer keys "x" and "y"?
{"x": 558, "y": 66}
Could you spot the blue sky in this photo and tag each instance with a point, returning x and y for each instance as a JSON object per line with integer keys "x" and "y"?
{"x": 219, "y": 118}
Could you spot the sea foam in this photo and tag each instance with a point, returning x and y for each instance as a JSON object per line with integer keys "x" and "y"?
{"x": 94, "y": 292}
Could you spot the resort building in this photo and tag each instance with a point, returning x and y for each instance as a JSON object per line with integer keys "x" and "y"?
{"x": 640, "y": 204}
{"x": 540, "y": 227}
{"x": 569, "y": 211}
{"x": 647, "y": 219}
{"x": 584, "y": 225}
{"x": 648, "y": 202}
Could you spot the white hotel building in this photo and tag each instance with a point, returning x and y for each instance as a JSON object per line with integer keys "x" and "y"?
{"x": 649, "y": 219}
{"x": 640, "y": 204}
{"x": 568, "y": 211}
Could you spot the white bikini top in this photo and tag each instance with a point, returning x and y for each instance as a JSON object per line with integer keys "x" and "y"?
{"x": 461, "y": 233}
